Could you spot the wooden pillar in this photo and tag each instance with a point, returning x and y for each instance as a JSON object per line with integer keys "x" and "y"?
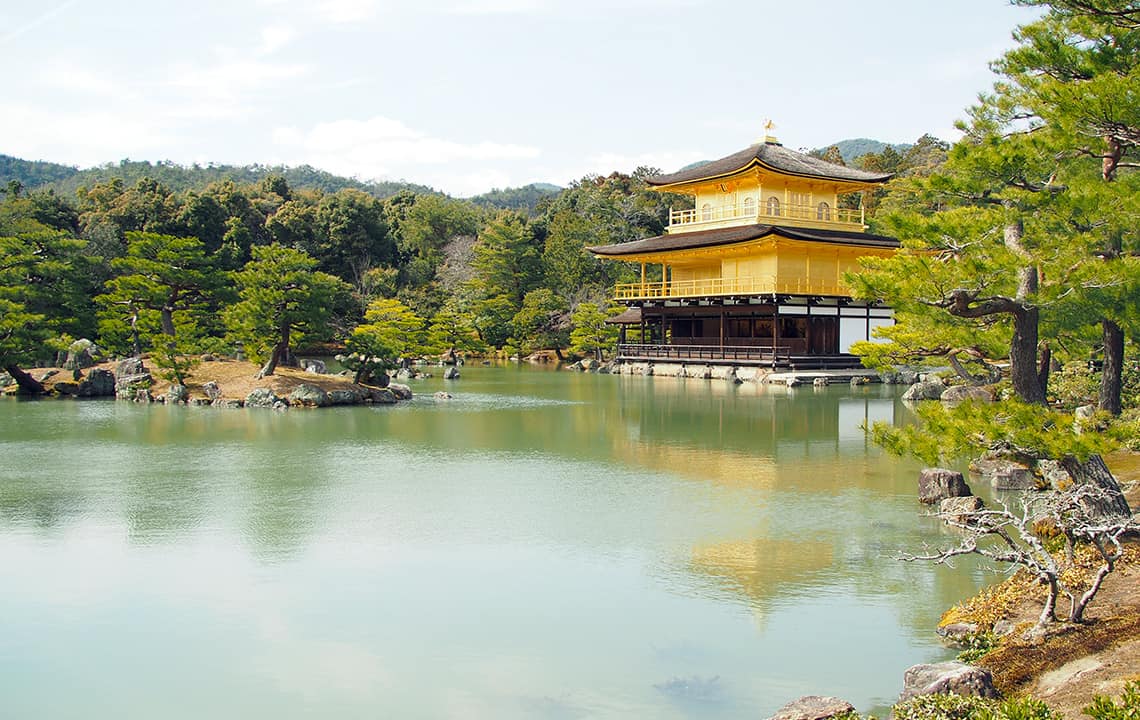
{"x": 807, "y": 330}
{"x": 722, "y": 330}
{"x": 643, "y": 279}
{"x": 663, "y": 328}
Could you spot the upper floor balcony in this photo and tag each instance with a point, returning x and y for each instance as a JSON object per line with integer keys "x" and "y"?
{"x": 772, "y": 212}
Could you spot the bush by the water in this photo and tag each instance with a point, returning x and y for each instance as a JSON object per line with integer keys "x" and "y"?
{"x": 960, "y": 707}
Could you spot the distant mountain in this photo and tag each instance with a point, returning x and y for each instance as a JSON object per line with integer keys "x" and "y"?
{"x": 525, "y": 198}
{"x": 65, "y": 179}
{"x": 855, "y": 148}
{"x": 33, "y": 173}
{"x": 696, "y": 164}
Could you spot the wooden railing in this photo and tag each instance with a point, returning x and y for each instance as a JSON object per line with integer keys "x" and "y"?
{"x": 737, "y": 353}
{"x": 769, "y": 285}
{"x": 802, "y": 214}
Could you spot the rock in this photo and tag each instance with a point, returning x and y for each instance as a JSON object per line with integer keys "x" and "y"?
{"x": 66, "y": 387}
{"x": 958, "y": 634}
{"x": 589, "y": 364}
{"x": 934, "y": 484}
{"x": 1054, "y": 475}
{"x": 317, "y": 367}
{"x": 230, "y": 403}
{"x": 200, "y": 401}
{"x": 208, "y": 358}
{"x": 384, "y": 396}
{"x": 906, "y": 376}
{"x": 948, "y": 678}
{"x": 280, "y": 406}
{"x": 100, "y": 383}
{"x": 404, "y": 374}
{"x": 958, "y": 509}
{"x": 575, "y": 366}
{"x": 6, "y": 379}
{"x": 958, "y": 393}
{"x": 344, "y": 397}
{"x": 441, "y": 395}
{"x": 261, "y": 398}
{"x": 813, "y": 707}
{"x": 127, "y": 386}
{"x": 1003, "y": 628}
{"x": 860, "y": 380}
{"x": 449, "y": 358}
{"x": 308, "y": 396}
{"x": 213, "y": 392}
{"x": 177, "y": 394}
{"x": 486, "y": 362}
{"x": 48, "y": 375}
{"x": 1005, "y": 473}
{"x": 929, "y": 389}
{"x": 402, "y": 392}
{"x": 792, "y": 381}
{"x": 451, "y": 374}
{"x": 128, "y": 367}
{"x": 142, "y": 395}
{"x": 824, "y": 382}
{"x": 80, "y": 354}
{"x": 890, "y": 377}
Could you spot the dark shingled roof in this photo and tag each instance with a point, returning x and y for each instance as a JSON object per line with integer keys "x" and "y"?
{"x": 744, "y": 233}
{"x": 631, "y": 316}
{"x": 776, "y": 157}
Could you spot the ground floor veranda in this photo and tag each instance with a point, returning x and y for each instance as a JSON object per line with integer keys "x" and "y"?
{"x": 774, "y": 331}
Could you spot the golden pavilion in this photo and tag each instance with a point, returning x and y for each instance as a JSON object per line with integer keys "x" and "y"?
{"x": 753, "y": 274}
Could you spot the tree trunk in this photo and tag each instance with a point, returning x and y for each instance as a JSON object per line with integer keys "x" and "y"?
{"x": 167, "y": 321}
{"x": 1093, "y": 472}
{"x": 1077, "y": 614}
{"x": 136, "y": 341}
{"x": 1049, "y": 611}
{"x": 1023, "y": 356}
{"x": 280, "y": 350}
{"x": 1112, "y": 374}
{"x": 559, "y": 355}
{"x": 28, "y": 385}
{"x": 1023, "y": 344}
{"x": 1044, "y": 366}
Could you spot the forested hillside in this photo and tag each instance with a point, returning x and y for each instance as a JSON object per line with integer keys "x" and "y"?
{"x": 138, "y": 263}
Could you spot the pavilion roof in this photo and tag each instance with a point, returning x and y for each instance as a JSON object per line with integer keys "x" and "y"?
{"x": 772, "y": 156}
{"x": 738, "y": 234}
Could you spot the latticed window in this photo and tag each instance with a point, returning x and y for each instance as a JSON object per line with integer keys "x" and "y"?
{"x": 774, "y": 206}
{"x": 706, "y": 212}
{"x": 823, "y": 211}
{"x": 749, "y": 206}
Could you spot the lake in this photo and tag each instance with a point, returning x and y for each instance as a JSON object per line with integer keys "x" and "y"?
{"x": 543, "y": 545}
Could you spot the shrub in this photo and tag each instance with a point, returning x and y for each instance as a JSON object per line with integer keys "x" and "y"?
{"x": 1103, "y": 708}
{"x": 959, "y": 707}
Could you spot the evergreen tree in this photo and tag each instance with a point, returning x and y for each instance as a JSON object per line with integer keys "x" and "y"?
{"x": 282, "y": 297}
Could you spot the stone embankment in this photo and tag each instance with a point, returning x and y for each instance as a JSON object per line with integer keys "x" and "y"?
{"x": 212, "y": 382}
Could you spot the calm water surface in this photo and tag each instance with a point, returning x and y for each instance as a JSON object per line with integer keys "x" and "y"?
{"x": 544, "y": 545}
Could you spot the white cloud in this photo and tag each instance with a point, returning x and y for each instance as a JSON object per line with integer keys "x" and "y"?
{"x": 383, "y": 147}
{"x": 79, "y": 137}
{"x": 274, "y": 38}
{"x": 347, "y": 11}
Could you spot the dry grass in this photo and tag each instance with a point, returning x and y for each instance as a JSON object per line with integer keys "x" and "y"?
{"x": 235, "y": 378}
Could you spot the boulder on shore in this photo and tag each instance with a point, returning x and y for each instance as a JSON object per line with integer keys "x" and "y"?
{"x": 308, "y": 395}
{"x": 959, "y": 509}
{"x": 928, "y": 389}
{"x": 451, "y": 374}
{"x": 958, "y": 393}
{"x": 948, "y": 678}
{"x": 936, "y": 484}
{"x": 81, "y": 354}
{"x": 344, "y": 397}
{"x": 127, "y": 387}
{"x": 402, "y": 392}
{"x": 98, "y": 383}
{"x": 129, "y": 366}
{"x": 177, "y": 394}
{"x": 261, "y": 398}
{"x": 813, "y": 707}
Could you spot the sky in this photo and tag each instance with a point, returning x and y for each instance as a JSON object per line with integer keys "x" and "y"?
{"x": 466, "y": 96}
